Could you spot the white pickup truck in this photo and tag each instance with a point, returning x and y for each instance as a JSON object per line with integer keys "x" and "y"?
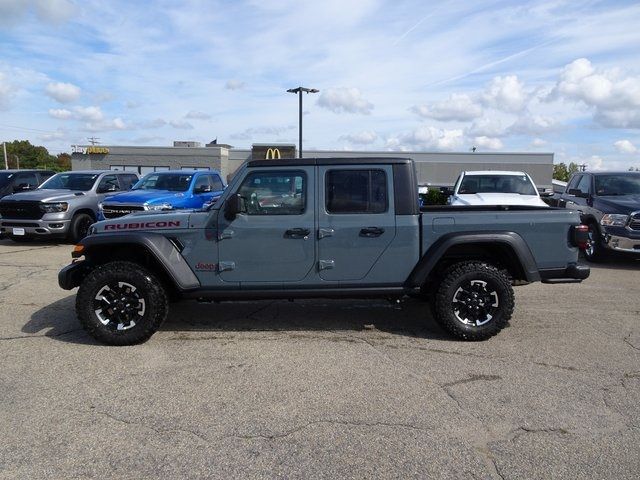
{"x": 494, "y": 187}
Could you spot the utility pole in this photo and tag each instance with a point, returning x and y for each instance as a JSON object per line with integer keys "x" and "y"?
{"x": 299, "y": 91}
{"x": 6, "y": 163}
{"x": 93, "y": 140}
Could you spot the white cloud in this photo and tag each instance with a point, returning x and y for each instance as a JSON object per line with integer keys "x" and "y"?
{"x": 272, "y": 131}
{"x": 63, "y": 92}
{"x": 486, "y": 127}
{"x": 60, "y": 113}
{"x": 365, "y": 137}
{"x": 106, "y": 125}
{"x": 349, "y": 100}
{"x": 195, "y": 115}
{"x": 234, "y": 85}
{"x": 533, "y": 125}
{"x": 614, "y": 97}
{"x": 155, "y": 123}
{"x": 488, "y": 142}
{"x": 625, "y": 146}
{"x": 53, "y": 11}
{"x": 458, "y": 106}
{"x": 538, "y": 142}
{"x": 59, "y": 134}
{"x": 89, "y": 114}
{"x": 506, "y": 94}
{"x": 181, "y": 124}
{"x": 428, "y": 138}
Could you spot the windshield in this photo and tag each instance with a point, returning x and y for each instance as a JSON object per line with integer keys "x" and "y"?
{"x": 622, "y": 184}
{"x": 5, "y": 177}
{"x": 519, "y": 184}
{"x": 174, "y": 182}
{"x": 71, "y": 181}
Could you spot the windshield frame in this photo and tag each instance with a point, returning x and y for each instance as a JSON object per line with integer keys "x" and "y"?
{"x": 495, "y": 177}
{"x": 599, "y": 179}
{"x": 52, "y": 179}
{"x": 139, "y": 185}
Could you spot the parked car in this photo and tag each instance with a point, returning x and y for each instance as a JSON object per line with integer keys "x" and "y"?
{"x": 14, "y": 181}
{"x": 64, "y": 206}
{"x": 349, "y": 227}
{"x": 491, "y": 187}
{"x": 168, "y": 190}
{"x": 609, "y": 203}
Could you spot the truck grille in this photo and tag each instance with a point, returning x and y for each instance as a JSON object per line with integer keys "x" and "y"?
{"x": 634, "y": 221}
{"x": 22, "y": 210}
{"x": 115, "y": 211}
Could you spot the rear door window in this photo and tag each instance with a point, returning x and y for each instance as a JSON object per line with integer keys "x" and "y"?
{"x": 356, "y": 191}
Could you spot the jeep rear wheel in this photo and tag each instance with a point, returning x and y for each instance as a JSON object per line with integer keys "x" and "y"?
{"x": 121, "y": 303}
{"x": 474, "y": 301}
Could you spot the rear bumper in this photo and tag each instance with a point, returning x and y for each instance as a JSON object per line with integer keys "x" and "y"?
{"x": 574, "y": 273}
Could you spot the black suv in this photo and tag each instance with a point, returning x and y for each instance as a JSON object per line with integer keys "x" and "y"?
{"x": 14, "y": 181}
{"x": 609, "y": 202}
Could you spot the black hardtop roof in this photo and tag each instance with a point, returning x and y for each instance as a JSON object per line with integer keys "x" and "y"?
{"x": 292, "y": 162}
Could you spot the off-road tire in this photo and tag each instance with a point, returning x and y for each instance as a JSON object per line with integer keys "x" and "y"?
{"x": 148, "y": 287}
{"x": 79, "y": 227}
{"x": 596, "y": 252}
{"x": 457, "y": 277}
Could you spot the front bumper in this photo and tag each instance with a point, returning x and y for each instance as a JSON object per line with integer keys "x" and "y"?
{"x": 621, "y": 239}
{"x": 34, "y": 228}
{"x": 574, "y": 273}
{"x": 72, "y": 275}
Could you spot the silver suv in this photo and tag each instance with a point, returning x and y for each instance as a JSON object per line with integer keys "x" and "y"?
{"x": 64, "y": 206}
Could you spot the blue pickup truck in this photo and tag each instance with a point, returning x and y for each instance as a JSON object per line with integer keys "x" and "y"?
{"x": 168, "y": 190}
{"x": 326, "y": 227}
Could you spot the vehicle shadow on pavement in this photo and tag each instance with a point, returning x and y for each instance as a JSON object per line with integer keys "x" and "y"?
{"x": 410, "y": 318}
{"x": 615, "y": 263}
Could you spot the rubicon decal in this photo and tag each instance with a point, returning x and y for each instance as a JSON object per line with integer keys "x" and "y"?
{"x": 138, "y": 225}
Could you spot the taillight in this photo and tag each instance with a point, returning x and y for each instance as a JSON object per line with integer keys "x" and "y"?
{"x": 580, "y": 236}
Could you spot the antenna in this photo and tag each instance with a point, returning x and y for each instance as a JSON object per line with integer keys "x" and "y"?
{"x": 93, "y": 140}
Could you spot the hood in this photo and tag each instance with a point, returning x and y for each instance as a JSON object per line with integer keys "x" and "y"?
{"x": 498, "y": 199}
{"x": 145, "y": 221}
{"x": 45, "y": 195}
{"x": 624, "y": 204}
{"x": 139, "y": 197}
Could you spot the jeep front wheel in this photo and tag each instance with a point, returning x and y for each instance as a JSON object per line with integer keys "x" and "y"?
{"x": 121, "y": 303}
{"x": 474, "y": 301}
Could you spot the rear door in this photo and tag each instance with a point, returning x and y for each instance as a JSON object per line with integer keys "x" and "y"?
{"x": 356, "y": 219}
{"x": 273, "y": 239}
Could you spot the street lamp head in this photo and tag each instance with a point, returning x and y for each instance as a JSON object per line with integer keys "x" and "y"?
{"x": 303, "y": 89}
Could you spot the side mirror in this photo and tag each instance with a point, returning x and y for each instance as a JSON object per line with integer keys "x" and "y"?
{"x": 108, "y": 189}
{"x": 233, "y": 206}
{"x": 202, "y": 189}
{"x": 577, "y": 193}
{"x": 23, "y": 187}
{"x": 448, "y": 191}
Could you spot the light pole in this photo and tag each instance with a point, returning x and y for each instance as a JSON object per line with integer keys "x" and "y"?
{"x": 299, "y": 91}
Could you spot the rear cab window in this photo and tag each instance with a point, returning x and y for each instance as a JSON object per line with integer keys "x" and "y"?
{"x": 356, "y": 191}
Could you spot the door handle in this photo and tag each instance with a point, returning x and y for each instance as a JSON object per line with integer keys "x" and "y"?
{"x": 297, "y": 233}
{"x": 371, "y": 232}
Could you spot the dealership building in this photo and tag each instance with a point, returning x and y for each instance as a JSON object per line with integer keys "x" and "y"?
{"x": 433, "y": 168}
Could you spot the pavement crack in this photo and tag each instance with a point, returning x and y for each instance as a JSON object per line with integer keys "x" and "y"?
{"x": 300, "y": 428}
{"x": 628, "y": 342}
{"x": 473, "y": 378}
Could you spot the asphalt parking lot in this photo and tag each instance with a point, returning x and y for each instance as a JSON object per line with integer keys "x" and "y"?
{"x": 320, "y": 389}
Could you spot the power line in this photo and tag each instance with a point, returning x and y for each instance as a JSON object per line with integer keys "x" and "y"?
{"x": 93, "y": 140}
{"x": 26, "y": 129}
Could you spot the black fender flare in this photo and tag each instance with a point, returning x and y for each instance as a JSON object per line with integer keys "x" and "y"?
{"x": 509, "y": 239}
{"x": 159, "y": 246}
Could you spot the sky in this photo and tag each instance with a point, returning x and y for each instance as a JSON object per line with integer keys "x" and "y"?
{"x": 548, "y": 76}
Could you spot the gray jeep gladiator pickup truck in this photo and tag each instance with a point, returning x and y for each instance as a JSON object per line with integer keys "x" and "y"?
{"x": 326, "y": 227}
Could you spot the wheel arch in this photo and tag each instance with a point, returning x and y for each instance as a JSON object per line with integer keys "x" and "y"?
{"x": 506, "y": 250}
{"x": 153, "y": 251}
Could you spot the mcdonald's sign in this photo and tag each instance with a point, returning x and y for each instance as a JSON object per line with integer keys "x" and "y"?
{"x": 267, "y": 151}
{"x": 272, "y": 153}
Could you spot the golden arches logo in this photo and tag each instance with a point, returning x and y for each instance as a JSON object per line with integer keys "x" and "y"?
{"x": 272, "y": 154}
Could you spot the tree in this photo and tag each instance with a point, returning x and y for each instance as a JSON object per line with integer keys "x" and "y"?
{"x": 563, "y": 173}
{"x": 25, "y": 155}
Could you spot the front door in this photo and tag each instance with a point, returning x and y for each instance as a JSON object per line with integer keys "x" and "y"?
{"x": 356, "y": 219}
{"x": 273, "y": 239}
